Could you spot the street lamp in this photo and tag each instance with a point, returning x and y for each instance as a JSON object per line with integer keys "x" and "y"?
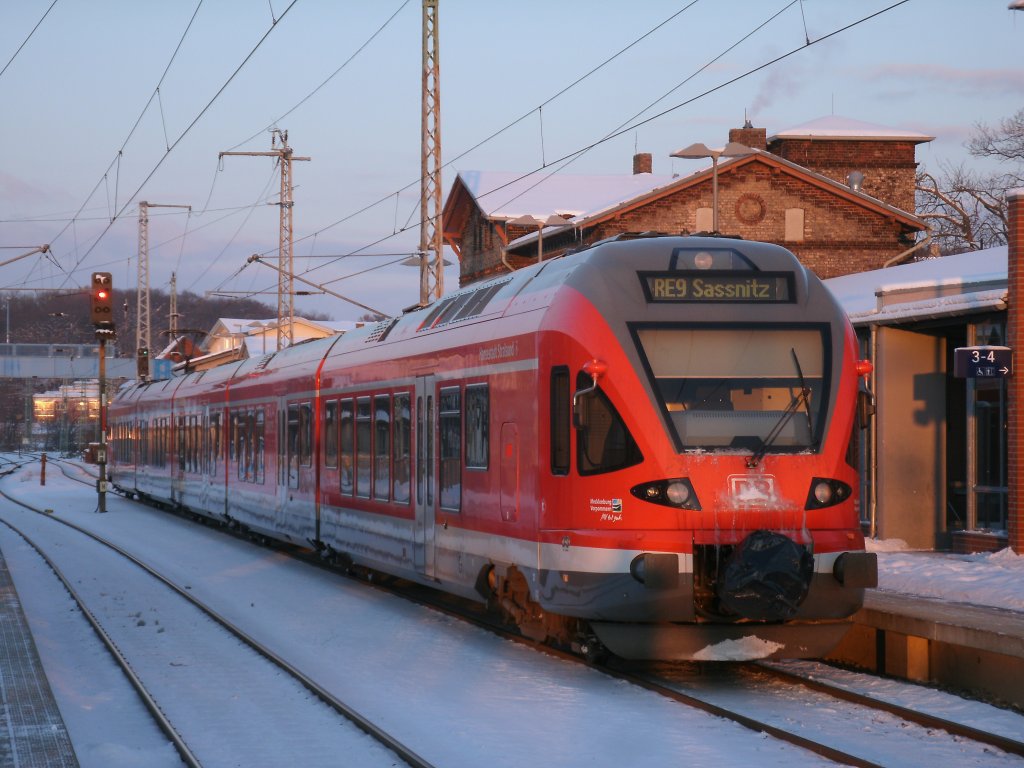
{"x": 526, "y": 220}
{"x": 701, "y": 151}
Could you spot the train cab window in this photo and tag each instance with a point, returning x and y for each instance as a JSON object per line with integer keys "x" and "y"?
{"x": 561, "y": 417}
{"x": 382, "y": 447}
{"x": 364, "y": 432}
{"x": 740, "y": 387}
{"x": 450, "y": 427}
{"x": 331, "y": 434}
{"x": 603, "y": 441}
{"x": 346, "y": 437}
{"x": 401, "y": 450}
{"x": 477, "y": 425}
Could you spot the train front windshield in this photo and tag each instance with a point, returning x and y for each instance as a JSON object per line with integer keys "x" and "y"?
{"x": 740, "y": 387}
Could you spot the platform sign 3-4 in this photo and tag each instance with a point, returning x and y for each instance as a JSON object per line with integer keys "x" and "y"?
{"x": 982, "y": 362}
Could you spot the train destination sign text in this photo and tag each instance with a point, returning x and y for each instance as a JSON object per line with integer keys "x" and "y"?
{"x": 718, "y": 287}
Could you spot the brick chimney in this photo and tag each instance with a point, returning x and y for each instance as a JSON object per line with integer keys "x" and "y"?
{"x": 642, "y": 163}
{"x": 755, "y": 138}
{"x": 1015, "y": 385}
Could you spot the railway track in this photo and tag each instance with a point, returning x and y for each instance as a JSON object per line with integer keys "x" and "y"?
{"x": 213, "y": 661}
{"x": 745, "y": 693}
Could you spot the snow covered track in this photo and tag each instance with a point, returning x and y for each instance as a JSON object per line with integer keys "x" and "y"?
{"x": 785, "y": 701}
{"x": 841, "y": 724}
{"x": 209, "y": 685}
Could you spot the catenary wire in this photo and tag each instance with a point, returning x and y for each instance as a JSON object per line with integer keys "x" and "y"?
{"x": 184, "y": 133}
{"x": 633, "y": 125}
{"x": 25, "y": 41}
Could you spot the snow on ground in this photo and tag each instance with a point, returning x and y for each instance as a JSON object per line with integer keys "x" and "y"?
{"x": 440, "y": 674}
{"x": 993, "y": 579}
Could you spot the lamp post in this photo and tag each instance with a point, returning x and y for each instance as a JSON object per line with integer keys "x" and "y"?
{"x": 701, "y": 151}
{"x": 526, "y": 220}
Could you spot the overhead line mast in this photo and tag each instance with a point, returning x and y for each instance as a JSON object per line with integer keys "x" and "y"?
{"x": 143, "y": 337}
{"x": 431, "y": 239}
{"x": 285, "y": 250}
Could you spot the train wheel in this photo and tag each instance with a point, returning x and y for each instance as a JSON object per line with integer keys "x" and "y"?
{"x": 591, "y": 649}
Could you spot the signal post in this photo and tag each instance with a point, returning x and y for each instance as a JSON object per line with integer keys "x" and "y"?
{"x": 101, "y": 303}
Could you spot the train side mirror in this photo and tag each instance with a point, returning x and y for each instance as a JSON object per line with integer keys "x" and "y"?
{"x": 595, "y": 369}
{"x": 865, "y": 406}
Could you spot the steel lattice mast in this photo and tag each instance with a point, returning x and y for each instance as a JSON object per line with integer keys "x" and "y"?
{"x": 431, "y": 238}
{"x": 285, "y": 249}
{"x": 143, "y": 336}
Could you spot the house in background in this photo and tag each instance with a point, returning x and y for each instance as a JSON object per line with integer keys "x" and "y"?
{"x": 255, "y": 338}
{"x": 837, "y": 192}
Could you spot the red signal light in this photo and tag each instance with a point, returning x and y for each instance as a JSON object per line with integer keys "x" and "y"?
{"x": 101, "y": 298}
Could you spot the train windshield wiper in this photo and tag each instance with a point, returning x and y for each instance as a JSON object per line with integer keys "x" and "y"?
{"x": 803, "y": 396}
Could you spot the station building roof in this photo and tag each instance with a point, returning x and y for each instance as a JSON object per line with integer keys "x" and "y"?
{"x": 945, "y": 286}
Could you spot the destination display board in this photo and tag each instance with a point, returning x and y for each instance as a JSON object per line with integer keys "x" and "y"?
{"x": 718, "y": 286}
{"x": 986, "y": 362}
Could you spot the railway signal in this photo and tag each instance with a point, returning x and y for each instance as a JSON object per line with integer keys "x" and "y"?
{"x": 101, "y": 298}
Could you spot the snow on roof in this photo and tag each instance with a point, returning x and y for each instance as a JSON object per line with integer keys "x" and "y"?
{"x": 959, "y": 283}
{"x": 837, "y": 127}
{"x": 510, "y": 195}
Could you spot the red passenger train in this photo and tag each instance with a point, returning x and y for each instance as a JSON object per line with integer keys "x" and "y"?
{"x": 648, "y": 447}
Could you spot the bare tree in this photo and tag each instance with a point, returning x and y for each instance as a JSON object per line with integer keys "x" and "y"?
{"x": 966, "y": 209}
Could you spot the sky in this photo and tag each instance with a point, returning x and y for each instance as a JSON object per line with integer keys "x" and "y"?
{"x": 109, "y": 103}
{"x": 450, "y": 690}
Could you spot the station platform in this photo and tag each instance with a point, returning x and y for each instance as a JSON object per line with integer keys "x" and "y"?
{"x": 32, "y": 731}
{"x": 971, "y": 648}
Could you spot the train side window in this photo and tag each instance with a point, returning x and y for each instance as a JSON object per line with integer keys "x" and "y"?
{"x": 364, "y": 430}
{"x": 561, "y": 420}
{"x": 478, "y": 415}
{"x": 242, "y": 451}
{"x": 450, "y": 426}
{"x": 603, "y": 443}
{"x": 421, "y": 463}
{"x": 401, "y": 450}
{"x": 430, "y": 450}
{"x": 259, "y": 446}
{"x": 346, "y": 435}
{"x": 282, "y": 441}
{"x": 382, "y": 447}
{"x": 214, "y": 442}
{"x": 193, "y": 428}
{"x": 181, "y": 443}
{"x": 293, "y": 445}
{"x": 331, "y": 433}
{"x": 306, "y": 434}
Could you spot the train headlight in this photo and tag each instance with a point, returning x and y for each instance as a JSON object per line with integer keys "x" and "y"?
{"x": 825, "y": 492}
{"x": 675, "y": 492}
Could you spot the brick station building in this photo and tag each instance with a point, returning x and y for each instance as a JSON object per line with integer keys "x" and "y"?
{"x": 837, "y": 192}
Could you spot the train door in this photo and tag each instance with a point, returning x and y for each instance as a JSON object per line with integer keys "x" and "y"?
{"x": 426, "y": 475}
{"x": 509, "y": 472}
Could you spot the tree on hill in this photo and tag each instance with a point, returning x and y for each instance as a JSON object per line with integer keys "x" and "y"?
{"x": 55, "y": 317}
{"x": 966, "y": 209}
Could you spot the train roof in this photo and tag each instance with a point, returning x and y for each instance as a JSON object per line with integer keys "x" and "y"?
{"x": 605, "y": 272}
